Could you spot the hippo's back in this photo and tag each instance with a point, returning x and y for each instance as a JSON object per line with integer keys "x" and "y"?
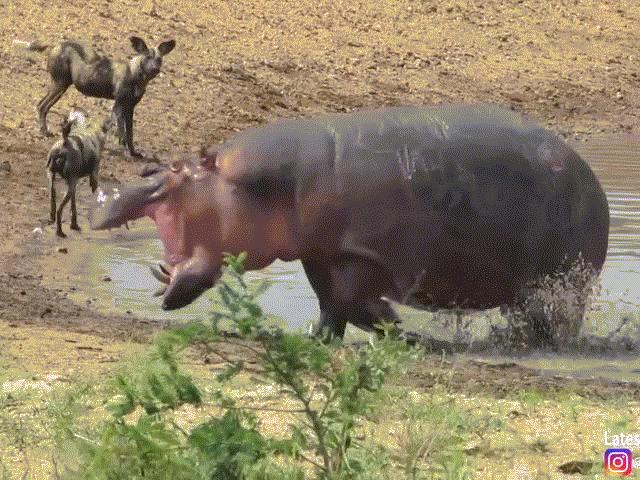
{"x": 475, "y": 198}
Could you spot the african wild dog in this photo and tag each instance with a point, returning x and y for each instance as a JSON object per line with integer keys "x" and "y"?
{"x": 94, "y": 75}
{"x": 75, "y": 156}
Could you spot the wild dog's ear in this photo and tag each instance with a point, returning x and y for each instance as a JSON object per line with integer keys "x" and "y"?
{"x": 138, "y": 45}
{"x": 208, "y": 157}
{"x": 166, "y": 47}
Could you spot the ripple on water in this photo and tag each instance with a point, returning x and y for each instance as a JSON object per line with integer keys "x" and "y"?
{"x": 616, "y": 161}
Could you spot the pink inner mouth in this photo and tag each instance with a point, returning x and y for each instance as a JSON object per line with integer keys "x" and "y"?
{"x": 171, "y": 228}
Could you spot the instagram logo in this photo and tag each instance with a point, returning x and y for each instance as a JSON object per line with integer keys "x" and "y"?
{"x": 618, "y": 461}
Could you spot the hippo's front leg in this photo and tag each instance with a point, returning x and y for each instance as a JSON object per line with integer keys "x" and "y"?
{"x": 350, "y": 290}
{"x": 318, "y": 276}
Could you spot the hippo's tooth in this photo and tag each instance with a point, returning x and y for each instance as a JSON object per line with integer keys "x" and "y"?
{"x": 161, "y": 276}
{"x": 160, "y": 291}
{"x": 165, "y": 269}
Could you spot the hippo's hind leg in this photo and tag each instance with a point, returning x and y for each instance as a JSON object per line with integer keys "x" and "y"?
{"x": 350, "y": 290}
{"x": 549, "y": 315}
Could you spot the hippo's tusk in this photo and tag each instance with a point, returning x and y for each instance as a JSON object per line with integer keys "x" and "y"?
{"x": 161, "y": 275}
{"x": 160, "y": 291}
{"x": 166, "y": 270}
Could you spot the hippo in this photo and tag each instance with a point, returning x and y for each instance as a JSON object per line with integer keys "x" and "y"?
{"x": 450, "y": 206}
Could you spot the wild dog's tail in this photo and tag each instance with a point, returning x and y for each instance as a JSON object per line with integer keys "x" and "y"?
{"x": 66, "y": 128}
{"x": 34, "y": 46}
{"x": 56, "y": 160}
{"x": 107, "y": 123}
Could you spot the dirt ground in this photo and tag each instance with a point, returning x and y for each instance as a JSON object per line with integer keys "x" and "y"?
{"x": 573, "y": 65}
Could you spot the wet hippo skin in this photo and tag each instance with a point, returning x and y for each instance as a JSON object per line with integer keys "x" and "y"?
{"x": 437, "y": 207}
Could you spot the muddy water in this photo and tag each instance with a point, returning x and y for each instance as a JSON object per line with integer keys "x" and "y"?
{"x": 115, "y": 270}
{"x": 125, "y": 257}
{"x": 616, "y": 162}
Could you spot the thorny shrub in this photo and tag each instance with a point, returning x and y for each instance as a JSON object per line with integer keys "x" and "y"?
{"x": 332, "y": 388}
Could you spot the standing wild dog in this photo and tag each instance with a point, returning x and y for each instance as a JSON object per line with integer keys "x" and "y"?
{"x": 75, "y": 156}
{"x": 94, "y": 75}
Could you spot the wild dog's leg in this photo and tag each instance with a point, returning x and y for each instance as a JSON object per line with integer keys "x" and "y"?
{"x": 52, "y": 196}
{"x": 118, "y": 115}
{"x": 74, "y": 212}
{"x": 128, "y": 117}
{"x": 70, "y": 191}
{"x": 56, "y": 90}
{"x": 93, "y": 181}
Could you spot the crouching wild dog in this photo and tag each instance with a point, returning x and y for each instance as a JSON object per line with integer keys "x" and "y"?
{"x": 94, "y": 75}
{"x": 75, "y": 156}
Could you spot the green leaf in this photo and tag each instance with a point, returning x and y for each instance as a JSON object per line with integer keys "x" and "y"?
{"x": 230, "y": 372}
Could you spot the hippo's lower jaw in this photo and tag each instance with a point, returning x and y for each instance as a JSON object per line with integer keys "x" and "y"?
{"x": 185, "y": 282}
{"x": 185, "y": 289}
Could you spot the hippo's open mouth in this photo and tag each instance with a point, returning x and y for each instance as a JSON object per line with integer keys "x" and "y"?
{"x": 184, "y": 276}
{"x": 186, "y": 273}
{"x": 171, "y": 228}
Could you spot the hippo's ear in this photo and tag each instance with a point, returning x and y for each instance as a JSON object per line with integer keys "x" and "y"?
{"x": 208, "y": 157}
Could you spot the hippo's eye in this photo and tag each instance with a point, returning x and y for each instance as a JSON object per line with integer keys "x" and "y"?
{"x": 175, "y": 167}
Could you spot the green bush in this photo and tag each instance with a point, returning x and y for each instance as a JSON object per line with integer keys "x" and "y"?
{"x": 333, "y": 388}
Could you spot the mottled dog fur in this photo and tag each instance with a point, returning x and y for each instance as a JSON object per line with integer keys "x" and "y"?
{"x": 94, "y": 75}
{"x": 74, "y": 156}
